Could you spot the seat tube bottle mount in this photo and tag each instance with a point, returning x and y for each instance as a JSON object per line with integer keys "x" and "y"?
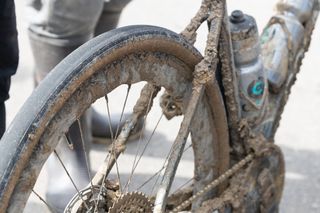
{"x": 263, "y": 64}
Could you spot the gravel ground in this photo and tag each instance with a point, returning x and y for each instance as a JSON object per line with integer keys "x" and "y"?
{"x": 298, "y": 134}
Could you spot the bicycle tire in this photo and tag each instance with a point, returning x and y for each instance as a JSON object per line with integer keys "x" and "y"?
{"x": 82, "y": 78}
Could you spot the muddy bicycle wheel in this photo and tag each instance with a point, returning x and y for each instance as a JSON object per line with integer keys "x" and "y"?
{"x": 125, "y": 56}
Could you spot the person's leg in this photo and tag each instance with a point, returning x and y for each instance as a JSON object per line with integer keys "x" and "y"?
{"x": 59, "y": 28}
{"x": 2, "y": 118}
{"x": 110, "y": 15}
{"x": 4, "y": 95}
{"x": 9, "y": 54}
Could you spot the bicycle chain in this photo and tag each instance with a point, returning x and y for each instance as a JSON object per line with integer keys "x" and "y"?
{"x": 256, "y": 146}
{"x": 215, "y": 183}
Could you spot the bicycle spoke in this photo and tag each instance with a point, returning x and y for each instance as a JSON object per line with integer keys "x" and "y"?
{"x": 119, "y": 145}
{"x": 123, "y": 108}
{"x": 118, "y": 127}
{"x": 186, "y": 149}
{"x": 72, "y": 181}
{"x": 165, "y": 164}
{"x": 85, "y": 152}
{"x": 178, "y": 145}
{"x": 85, "y": 155}
{"x": 109, "y": 117}
{"x": 134, "y": 166}
{"x": 140, "y": 139}
{"x": 182, "y": 186}
{"x": 144, "y": 148}
{"x": 113, "y": 140}
{"x": 159, "y": 174}
{"x": 117, "y": 130}
{"x": 48, "y": 206}
{"x": 159, "y": 171}
{"x": 111, "y": 132}
{"x": 149, "y": 179}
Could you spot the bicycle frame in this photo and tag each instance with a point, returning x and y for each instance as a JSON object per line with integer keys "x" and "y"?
{"x": 251, "y": 160}
{"x": 215, "y": 13}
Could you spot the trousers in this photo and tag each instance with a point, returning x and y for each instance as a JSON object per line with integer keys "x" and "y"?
{"x": 71, "y": 22}
{"x": 9, "y": 54}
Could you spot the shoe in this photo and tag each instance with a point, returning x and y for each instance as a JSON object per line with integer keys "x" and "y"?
{"x": 101, "y": 133}
{"x": 60, "y": 189}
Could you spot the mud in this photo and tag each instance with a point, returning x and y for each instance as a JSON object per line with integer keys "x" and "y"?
{"x": 256, "y": 188}
{"x": 203, "y": 71}
{"x": 231, "y": 94}
{"x": 279, "y": 100}
{"x": 145, "y": 101}
{"x": 190, "y": 32}
{"x": 171, "y": 106}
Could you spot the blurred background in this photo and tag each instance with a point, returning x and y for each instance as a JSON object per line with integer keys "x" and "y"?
{"x": 299, "y": 131}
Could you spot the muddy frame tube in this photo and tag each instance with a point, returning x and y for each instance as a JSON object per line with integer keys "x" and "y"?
{"x": 204, "y": 72}
{"x": 278, "y": 100}
{"x": 229, "y": 84}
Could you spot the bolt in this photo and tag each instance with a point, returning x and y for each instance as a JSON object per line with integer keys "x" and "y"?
{"x": 237, "y": 16}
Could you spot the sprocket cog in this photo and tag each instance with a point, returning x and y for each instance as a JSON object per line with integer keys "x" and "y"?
{"x": 133, "y": 202}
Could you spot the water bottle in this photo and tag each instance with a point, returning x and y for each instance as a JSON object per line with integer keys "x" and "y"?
{"x": 251, "y": 75}
{"x": 280, "y": 42}
{"x": 275, "y": 40}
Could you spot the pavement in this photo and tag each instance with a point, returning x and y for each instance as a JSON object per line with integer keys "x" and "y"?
{"x": 298, "y": 134}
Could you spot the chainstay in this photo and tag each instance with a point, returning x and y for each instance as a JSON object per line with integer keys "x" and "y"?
{"x": 215, "y": 183}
